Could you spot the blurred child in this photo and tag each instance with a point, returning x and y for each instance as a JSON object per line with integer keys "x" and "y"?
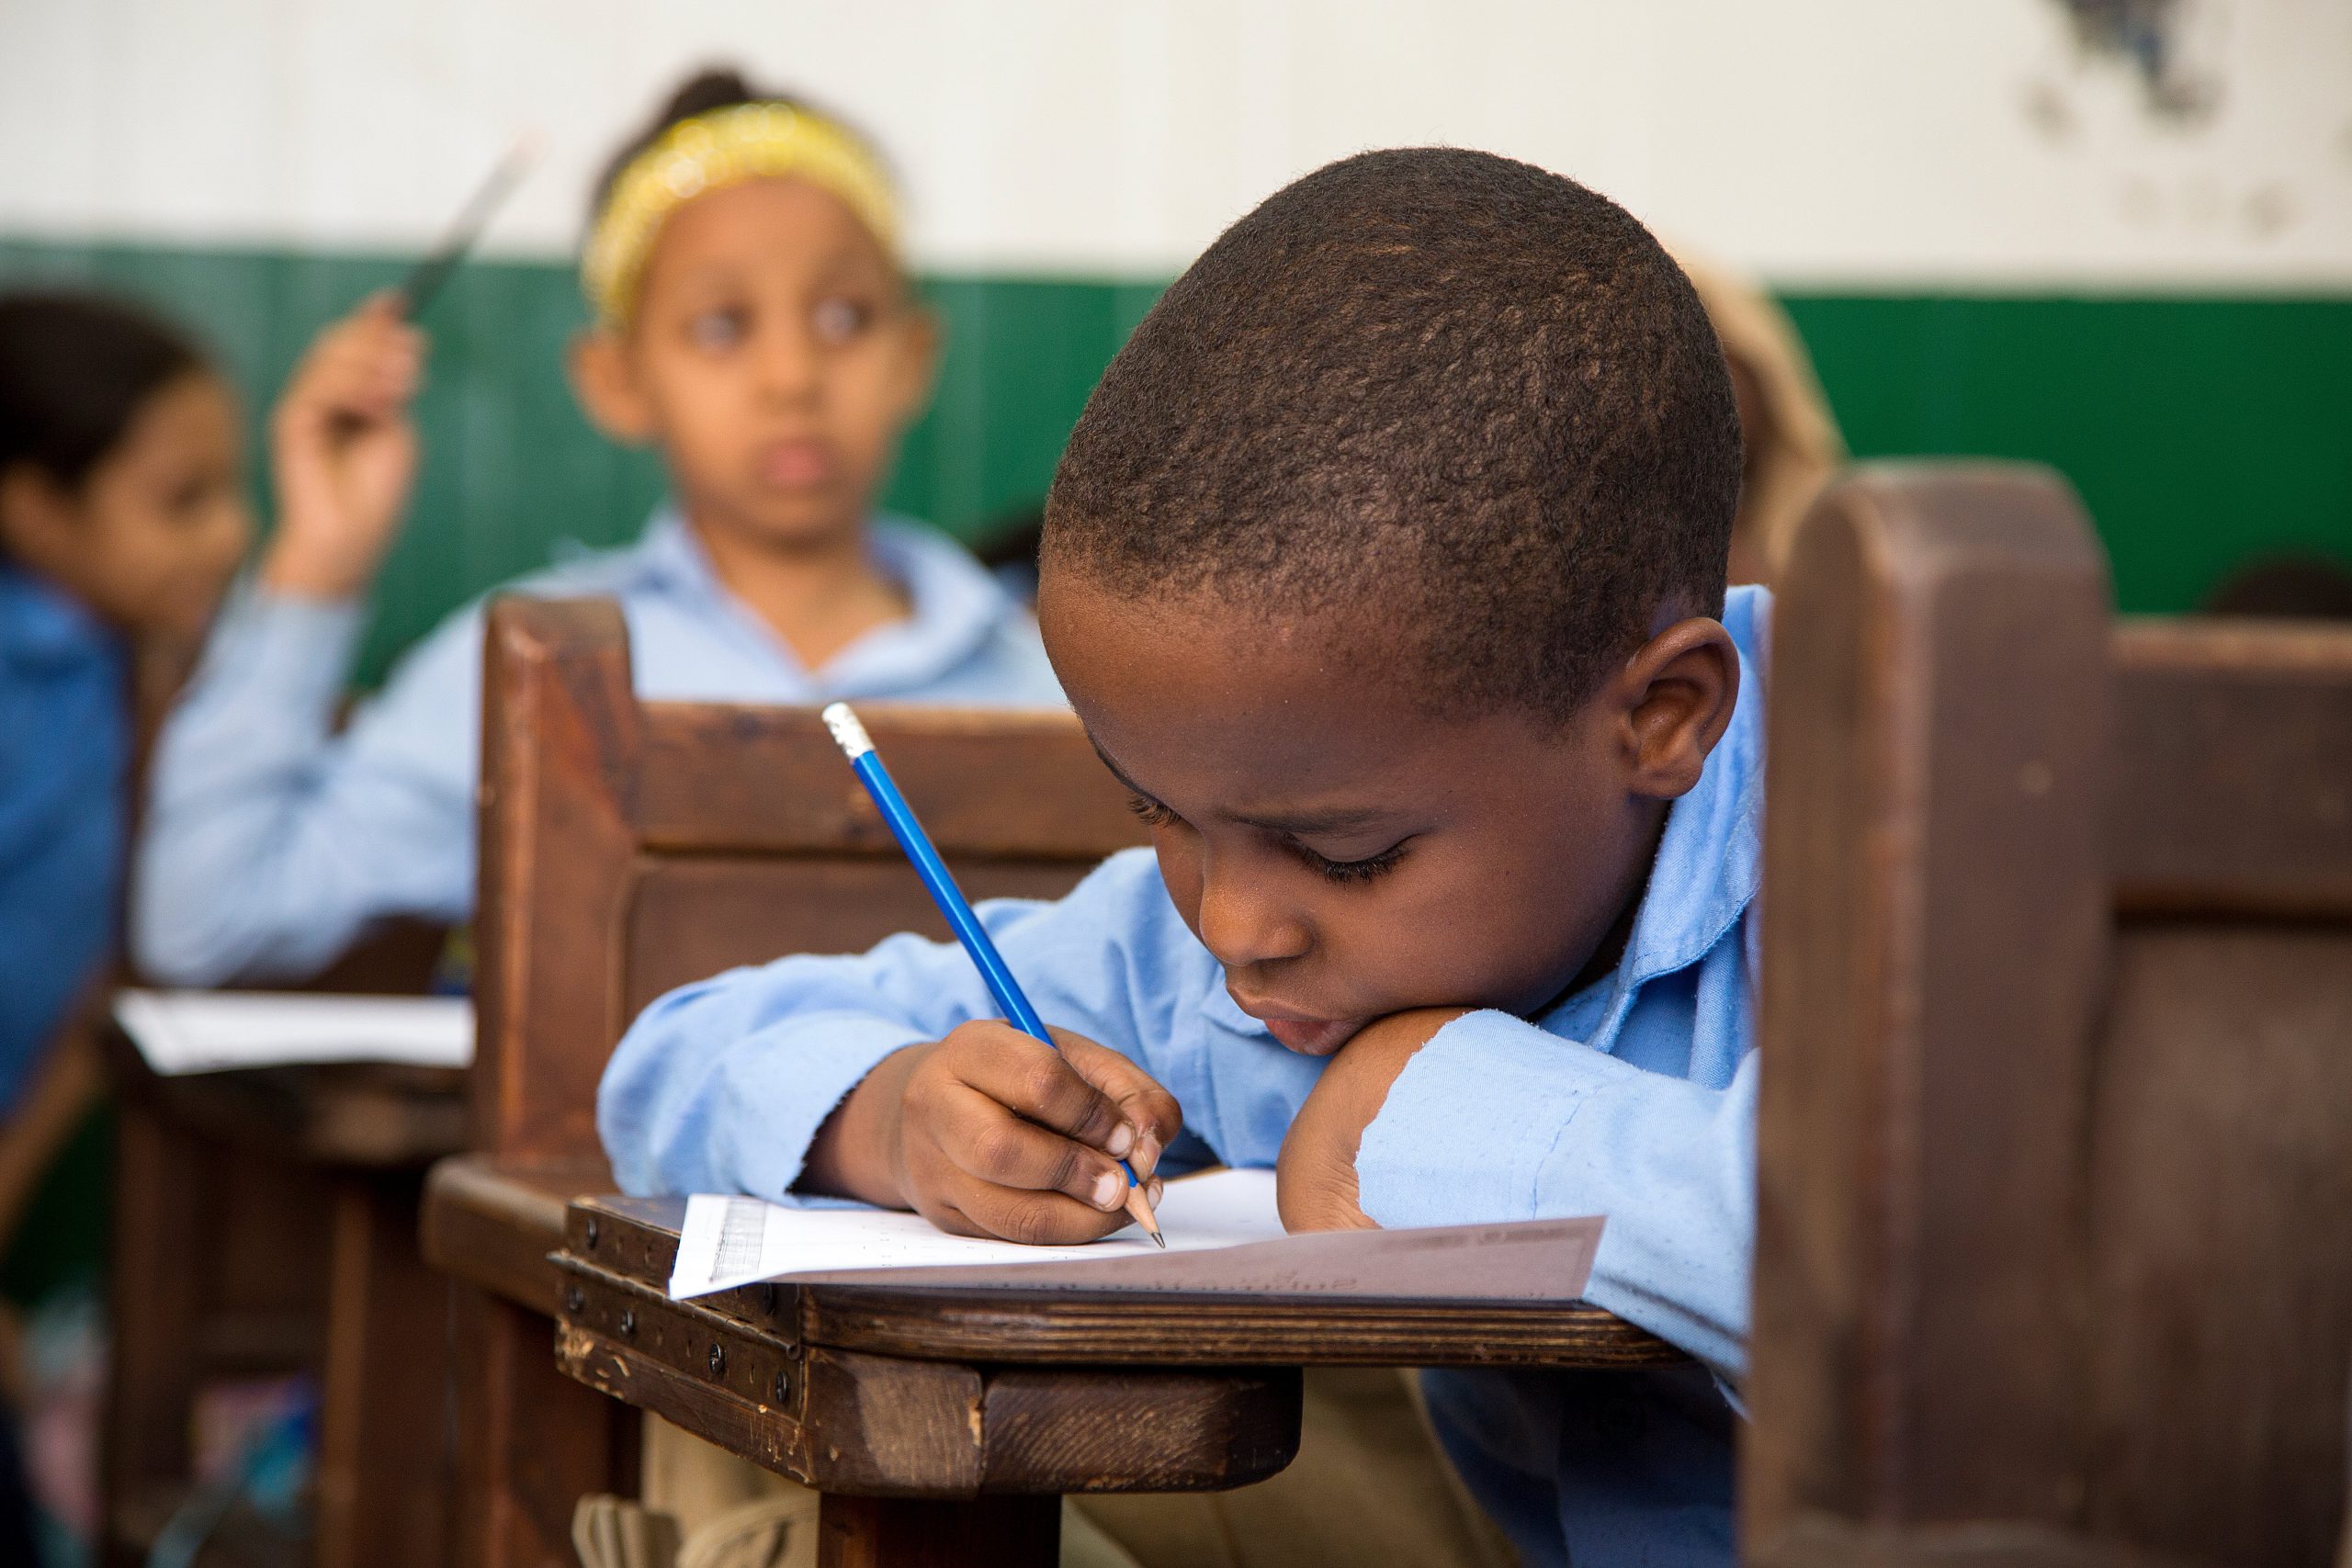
{"x": 121, "y": 517}
{"x": 1789, "y": 438}
{"x": 754, "y": 322}
{"x": 1385, "y": 568}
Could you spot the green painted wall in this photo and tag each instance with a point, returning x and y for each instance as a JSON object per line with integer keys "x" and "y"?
{"x": 2202, "y": 432}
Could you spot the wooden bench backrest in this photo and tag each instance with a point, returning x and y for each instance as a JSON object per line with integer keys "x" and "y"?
{"x": 2055, "y": 1222}
{"x": 628, "y": 848}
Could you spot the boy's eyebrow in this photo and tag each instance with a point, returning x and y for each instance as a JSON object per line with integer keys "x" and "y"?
{"x": 1116, "y": 771}
{"x": 1336, "y": 820}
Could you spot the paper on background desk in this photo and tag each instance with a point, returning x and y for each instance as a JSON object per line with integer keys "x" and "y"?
{"x": 209, "y": 1032}
{"x": 1223, "y": 1236}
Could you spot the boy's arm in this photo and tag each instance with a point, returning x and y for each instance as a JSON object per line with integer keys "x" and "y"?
{"x": 725, "y": 1085}
{"x": 1468, "y": 1118}
{"x": 270, "y": 843}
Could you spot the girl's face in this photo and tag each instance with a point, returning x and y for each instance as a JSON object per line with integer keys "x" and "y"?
{"x": 151, "y": 539}
{"x": 776, "y": 358}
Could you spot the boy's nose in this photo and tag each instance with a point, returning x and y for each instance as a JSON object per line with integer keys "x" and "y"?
{"x": 1242, "y": 924}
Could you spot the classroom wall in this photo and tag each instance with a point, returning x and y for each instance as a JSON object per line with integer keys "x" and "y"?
{"x": 1991, "y": 240}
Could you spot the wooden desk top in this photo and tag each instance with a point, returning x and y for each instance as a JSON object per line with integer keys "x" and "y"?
{"x": 915, "y": 1391}
{"x": 365, "y": 1114}
{"x": 613, "y": 1243}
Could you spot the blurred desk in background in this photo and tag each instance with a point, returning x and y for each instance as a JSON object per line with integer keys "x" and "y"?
{"x": 265, "y": 1228}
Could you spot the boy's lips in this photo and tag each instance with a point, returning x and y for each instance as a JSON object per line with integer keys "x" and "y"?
{"x": 802, "y": 464}
{"x": 1307, "y": 1036}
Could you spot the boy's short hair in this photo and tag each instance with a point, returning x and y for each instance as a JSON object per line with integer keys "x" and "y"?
{"x": 1466, "y": 398}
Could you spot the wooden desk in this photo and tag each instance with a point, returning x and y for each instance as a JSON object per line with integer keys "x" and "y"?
{"x": 946, "y": 1426}
{"x": 266, "y": 1225}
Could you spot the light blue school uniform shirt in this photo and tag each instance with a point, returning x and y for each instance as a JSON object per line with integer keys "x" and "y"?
{"x": 271, "y": 843}
{"x": 1635, "y": 1098}
{"x": 64, "y": 756}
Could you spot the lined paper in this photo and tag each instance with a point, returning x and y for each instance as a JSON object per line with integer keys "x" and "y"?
{"x": 1223, "y": 1235}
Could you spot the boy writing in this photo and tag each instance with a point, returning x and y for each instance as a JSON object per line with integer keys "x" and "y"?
{"x": 1386, "y": 568}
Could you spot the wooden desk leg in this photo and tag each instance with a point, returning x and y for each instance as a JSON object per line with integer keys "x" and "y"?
{"x": 384, "y": 1463}
{"x": 157, "y": 1298}
{"x": 910, "y": 1532}
{"x": 531, "y": 1442}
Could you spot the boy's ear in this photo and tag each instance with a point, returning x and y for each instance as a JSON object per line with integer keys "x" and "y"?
{"x": 604, "y": 377}
{"x": 1677, "y": 695}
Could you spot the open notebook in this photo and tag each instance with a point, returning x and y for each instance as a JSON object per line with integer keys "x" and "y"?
{"x": 209, "y": 1032}
{"x": 1223, "y": 1236}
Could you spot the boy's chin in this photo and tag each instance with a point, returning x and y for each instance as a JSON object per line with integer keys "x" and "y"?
{"x": 1319, "y": 1038}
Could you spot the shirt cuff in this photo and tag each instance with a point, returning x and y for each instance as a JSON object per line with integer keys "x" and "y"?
{"x": 1468, "y": 1126}
{"x": 782, "y": 1084}
{"x": 291, "y": 652}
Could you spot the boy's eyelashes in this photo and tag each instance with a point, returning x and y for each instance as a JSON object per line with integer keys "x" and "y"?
{"x": 1154, "y": 814}
{"x": 1345, "y": 871}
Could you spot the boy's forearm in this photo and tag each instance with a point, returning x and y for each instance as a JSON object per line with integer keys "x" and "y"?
{"x": 1316, "y": 1176}
{"x": 855, "y": 1152}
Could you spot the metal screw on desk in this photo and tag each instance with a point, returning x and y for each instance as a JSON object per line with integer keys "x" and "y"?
{"x": 717, "y": 1357}
{"x": 629, "y": 1323}
{"x": 782, "y": 1387}
{"x": 573, "y": 1299}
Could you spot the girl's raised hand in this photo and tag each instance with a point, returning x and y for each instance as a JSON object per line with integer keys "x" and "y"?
{"x": 344, "y": 452}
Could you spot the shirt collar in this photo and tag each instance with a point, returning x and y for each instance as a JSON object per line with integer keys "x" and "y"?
{"x": 956, "y": 605}
{"x": 41, "y": 626}
{"x": 1710, "y": 856}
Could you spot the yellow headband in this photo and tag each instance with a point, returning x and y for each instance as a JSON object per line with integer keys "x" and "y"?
{"x": 724, "y": 147}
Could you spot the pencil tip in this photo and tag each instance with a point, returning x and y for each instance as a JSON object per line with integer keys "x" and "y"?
{"x": 1159, "y": 1241}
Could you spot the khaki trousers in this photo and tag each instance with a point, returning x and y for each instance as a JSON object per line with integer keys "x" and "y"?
{"x": 1370, "y": 1489}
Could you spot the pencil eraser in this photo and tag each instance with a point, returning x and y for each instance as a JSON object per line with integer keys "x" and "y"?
{"x": 848, "y": 734}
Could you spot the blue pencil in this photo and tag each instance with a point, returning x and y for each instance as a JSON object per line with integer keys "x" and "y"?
{"x": 941, "y": 883}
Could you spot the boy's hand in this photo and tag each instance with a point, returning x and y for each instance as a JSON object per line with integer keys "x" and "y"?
{"x": 998, "y": 1135}
{"x": 344, "y": 452}
{"x": 1315, "y": 1179}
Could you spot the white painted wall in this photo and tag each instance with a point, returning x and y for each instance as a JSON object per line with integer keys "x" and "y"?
{"x": 1896, "y": 143}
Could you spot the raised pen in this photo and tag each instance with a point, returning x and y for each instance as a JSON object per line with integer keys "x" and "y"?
{"x": 941, "y": 883}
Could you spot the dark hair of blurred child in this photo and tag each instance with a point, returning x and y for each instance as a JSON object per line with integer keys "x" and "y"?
{"x": 2298, "y": 587}
{"x": 754, "y": 322}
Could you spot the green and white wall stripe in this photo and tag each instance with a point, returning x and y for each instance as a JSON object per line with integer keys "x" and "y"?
{"x": 1990, "y": 242}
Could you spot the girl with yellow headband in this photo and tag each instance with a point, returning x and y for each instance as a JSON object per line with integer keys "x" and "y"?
{"x": 752, "y": 321}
